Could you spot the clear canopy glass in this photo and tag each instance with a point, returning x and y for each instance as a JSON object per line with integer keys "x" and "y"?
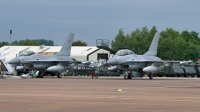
{"x": 26, "y": 53}
{"x": 124, "y": 52}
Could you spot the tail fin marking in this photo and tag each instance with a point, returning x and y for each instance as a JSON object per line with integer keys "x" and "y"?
{"x": 66, "y": 48}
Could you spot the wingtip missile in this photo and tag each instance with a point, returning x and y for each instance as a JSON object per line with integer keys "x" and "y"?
{"x": 150, "y": 69}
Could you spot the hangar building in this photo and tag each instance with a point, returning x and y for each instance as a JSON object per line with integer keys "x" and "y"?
{"x": 81, "y": 53}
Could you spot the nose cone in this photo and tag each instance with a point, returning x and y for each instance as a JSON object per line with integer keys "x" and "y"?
{"x": 14, "y": 61}
{"x": 112, "y": 61}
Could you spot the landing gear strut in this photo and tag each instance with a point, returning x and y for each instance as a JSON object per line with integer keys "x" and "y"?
{"x": 127, "y": 75}
{"x": 59, "y": 75}
{"x": 40, "y": 74}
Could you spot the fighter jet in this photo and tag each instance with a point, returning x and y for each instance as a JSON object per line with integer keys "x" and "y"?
{"x": 138, "y": 65}
{"x": 42, "y": 62}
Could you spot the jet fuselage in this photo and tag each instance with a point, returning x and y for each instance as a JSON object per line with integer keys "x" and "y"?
{"x": 39, "y": 61}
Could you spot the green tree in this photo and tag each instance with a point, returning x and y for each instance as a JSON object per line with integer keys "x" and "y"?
{"x": 191, "y": 37}
{"x": 164, "y": 48}
{"x": 143, "y": 44}
{"x": 180, "y": 46}
{"x": 192, "y": 52}
{"x": 3, "y": 44}
{"x": 79, "y": 43}
{"x": 168, "y": 43}
{"x": 135, "y": 41}
{"x": 14, "y": 43}
{"x": 27, "y": 42}
{"x": 175, "y": 46}
{"x": 119, "y": 41}
{"x": 45, "y": 42}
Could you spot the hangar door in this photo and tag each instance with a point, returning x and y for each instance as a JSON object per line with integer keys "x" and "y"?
{"x": 102, "y": 56}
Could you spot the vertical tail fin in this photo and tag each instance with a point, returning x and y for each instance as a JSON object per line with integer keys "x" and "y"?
{"x": 154, "y": 44}
{"x": 66, "y": 48}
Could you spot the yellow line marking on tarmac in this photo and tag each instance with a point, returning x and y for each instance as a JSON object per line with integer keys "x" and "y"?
{"x": 119, "y": 90}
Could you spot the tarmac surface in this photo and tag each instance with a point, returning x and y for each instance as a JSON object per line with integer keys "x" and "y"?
{"x": 105, "y": 94}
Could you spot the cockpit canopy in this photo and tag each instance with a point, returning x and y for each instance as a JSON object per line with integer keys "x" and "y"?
{"x": 26, "y": 53}
{"x": 124, "y": 52}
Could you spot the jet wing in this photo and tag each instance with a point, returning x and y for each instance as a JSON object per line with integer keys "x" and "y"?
{"x": 30, "y": 61}
{"x": 53, "y": 61}
{"x": 50, "y": 60}
{"x": 140, "y": 61}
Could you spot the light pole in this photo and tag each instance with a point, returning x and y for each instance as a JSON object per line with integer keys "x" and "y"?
{"x": 10, "y": 35}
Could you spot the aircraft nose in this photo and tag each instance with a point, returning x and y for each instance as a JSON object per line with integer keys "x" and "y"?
{"x": 14, "y": 61}
{"x": 112, "y": 61}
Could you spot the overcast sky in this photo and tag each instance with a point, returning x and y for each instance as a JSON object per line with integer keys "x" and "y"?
{"x": 93, "y": 19}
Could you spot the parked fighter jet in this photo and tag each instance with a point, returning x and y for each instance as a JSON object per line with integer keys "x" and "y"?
{"x": 42, "y": 62}
{"x": 127, "y": 60}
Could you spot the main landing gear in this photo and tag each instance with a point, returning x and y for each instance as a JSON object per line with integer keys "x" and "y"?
{"x": 40, "y": 74}
{"x": 127, "y": 75}
{"x": 59, "y": 75}
{"x": 150, "y": 76}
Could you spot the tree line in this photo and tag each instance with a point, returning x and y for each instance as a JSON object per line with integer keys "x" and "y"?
{"x": 173, "y": 45}
{"x": 37, "y": 42}
{"x": 29, "y": 42}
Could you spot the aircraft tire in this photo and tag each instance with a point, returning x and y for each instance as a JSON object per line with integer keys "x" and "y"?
{"x": 150, "y": 76}
{"x": 193, "y": 75}
{"x": 59, "y": 75}
{"x": 18, "y": 73}
{"x": 125, "y": 77}
{"x": 129, "y": 76}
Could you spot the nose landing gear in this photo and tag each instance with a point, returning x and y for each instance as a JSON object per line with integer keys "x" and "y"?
{"x": 127, "y": 75}
{"x": 150, "y": 76}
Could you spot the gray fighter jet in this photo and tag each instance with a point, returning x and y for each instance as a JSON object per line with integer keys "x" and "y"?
{"x": 138, "y": 65}
{"x": 42, "y": 62}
